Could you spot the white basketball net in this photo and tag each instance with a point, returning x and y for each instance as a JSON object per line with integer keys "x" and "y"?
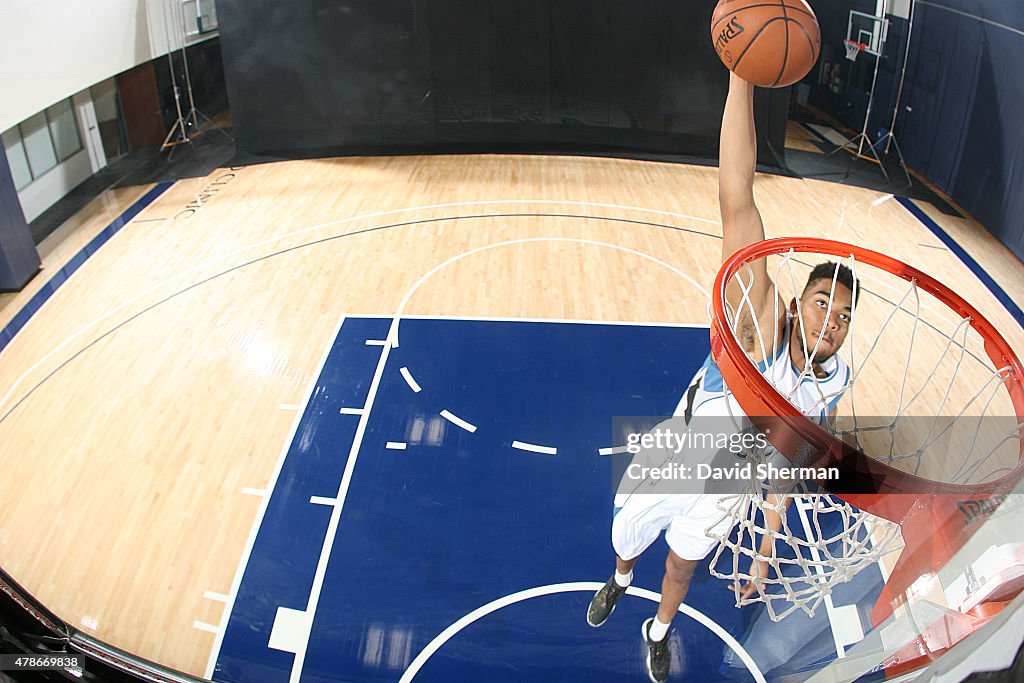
{"x": 832, "y": 543}
{"x": 921, "y": 389}
{"x": 852, "y": 49}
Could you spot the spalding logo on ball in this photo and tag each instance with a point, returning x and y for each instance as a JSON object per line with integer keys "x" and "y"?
{"x": 771, "y": 43}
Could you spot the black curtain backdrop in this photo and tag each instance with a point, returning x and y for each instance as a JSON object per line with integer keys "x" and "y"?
{"x": 383, "y": 76}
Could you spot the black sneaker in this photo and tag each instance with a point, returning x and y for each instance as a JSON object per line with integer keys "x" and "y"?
{"x": 657, "y": 654}
{"x": 603, "y": 604}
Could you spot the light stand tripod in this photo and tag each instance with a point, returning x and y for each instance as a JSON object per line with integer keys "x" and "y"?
{"x": 862, "y": 138}
{"x": 890, "y": 136}
{"x": 187, "y": 126}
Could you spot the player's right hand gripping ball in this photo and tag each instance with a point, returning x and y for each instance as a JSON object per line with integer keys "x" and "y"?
{"x": 771, "y": 43}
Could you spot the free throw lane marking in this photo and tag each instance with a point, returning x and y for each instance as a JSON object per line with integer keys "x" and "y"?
{"x": 302, "y": 645}
{"x": 409, "y": 380}
{"x": 458, "y": 421}
{"x": 290, "y": 630}
{"x": 534, "y": 448}
{"x": 243, "y": 562}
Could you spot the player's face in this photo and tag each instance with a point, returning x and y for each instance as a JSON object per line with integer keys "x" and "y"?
{"x": 823, "y": 324}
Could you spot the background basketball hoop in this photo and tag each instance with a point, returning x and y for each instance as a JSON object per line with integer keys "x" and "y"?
{"x": 853, "y": 49}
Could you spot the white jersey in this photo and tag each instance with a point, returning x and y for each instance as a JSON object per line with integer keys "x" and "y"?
{"x": 815, "y": 397}
{"x": 647, "y": 504}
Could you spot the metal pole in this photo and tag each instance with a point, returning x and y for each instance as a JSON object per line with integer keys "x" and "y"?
{"x": 903, "y": 75}
{"x": 871, "y": 97}
{"x": 184, "y": 55}
{"x": 193, "y": 112}
{"x": 180, "y": 122}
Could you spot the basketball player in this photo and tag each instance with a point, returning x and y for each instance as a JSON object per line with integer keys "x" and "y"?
{"x": 808, "y": 331}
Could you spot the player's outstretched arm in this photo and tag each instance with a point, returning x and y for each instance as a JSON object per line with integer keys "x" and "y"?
{"x": 773, "y": 522}
{"x": 741, "y": 221}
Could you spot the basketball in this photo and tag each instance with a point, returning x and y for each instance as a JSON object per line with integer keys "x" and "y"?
{"x": 771, "y": 43}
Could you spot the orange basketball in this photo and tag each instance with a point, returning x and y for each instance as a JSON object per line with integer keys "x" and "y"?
{"x": 771, "y": 43}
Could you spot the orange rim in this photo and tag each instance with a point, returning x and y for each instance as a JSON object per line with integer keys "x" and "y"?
{"x": 801, "y": 440}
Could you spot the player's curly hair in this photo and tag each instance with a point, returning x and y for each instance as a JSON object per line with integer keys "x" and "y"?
{"x": 827, "y": 270}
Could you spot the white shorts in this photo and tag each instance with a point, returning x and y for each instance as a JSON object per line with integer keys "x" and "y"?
{"x": 687, "y": 512}
{"x": 687, "y": 518}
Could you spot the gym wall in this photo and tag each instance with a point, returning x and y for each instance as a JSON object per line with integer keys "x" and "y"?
{"x": 381, "y": 76}
{"x": 959, "y": 122}
{"x": 965, "y": 94}
{"x": 52, "y": 50}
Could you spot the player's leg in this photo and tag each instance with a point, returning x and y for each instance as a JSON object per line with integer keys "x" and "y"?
{"x": 603, "y": 603}
{"x": 674, "y": 586}
{"x": 636, "y": 525}
{"x": 688, "y": 545}
{"x": 625, "y": 567}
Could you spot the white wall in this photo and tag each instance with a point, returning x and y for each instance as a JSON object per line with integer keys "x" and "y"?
{"x": 47, "y": 189}
{"x": 51, "y": 49}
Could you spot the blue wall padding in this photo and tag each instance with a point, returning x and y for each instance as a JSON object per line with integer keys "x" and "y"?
{"x": 19, "y": 260}
{"x": 965, "y": 129}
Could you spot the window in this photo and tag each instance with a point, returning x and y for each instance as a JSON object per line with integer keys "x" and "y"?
{"x": 16, "y": 158}
{"x": 38, "y": 145}
{"x": 42, "y": 141}
{"x": 64, "y": 130}
{"x": 205, "y": 13}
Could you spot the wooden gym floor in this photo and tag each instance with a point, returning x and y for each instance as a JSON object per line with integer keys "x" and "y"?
{"x": 144, "y": 406}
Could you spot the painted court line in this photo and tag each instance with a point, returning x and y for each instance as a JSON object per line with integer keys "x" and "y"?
{"x": 407, "y": 376}
{"x": 612, "y": 451}
{"x": 393, "y": 333}
{"x": 258, "y": 521}
{"x": 290, "y": 406}
{"x": 534, "y": 448}
{"x": 9, "y": 332}
{"x": 458, "y": 421}
{"x": 562, "y": 321}
{"x": 376, "y": 342}
{"x": 395, "y": 446}
{"x": 332, "y": 526}
{"x": 219, "y": 597}
{"x": 64, "y": 273}
{"x": 998, "y": 292}
{"x": 203, "y": 626}
{"x": 587, "y": 587}
{"x": 351, "y": 411}
{"x": 803, "y": 508}
{"x": 254, "y": 492}
{"x": 321, "y": 500}
{"x": 290, "y": 630}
